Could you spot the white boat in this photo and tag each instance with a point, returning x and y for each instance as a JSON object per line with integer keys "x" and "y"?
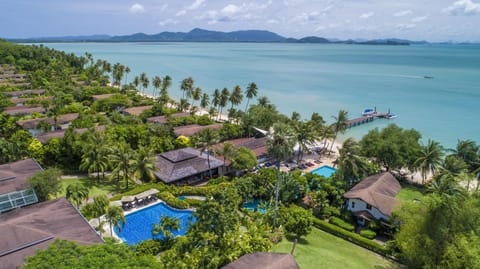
{"x": 392, "y": 116}
{"x": 368, "y": 112}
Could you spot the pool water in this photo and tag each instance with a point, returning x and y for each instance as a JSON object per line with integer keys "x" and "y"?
{"x": 138, "y": 226}
{"x": 325, "y": 171}
{"x": 254, "y": 206}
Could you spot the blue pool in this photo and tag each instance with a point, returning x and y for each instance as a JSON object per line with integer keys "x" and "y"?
{"x": 254, "y": 206}
{"x": 138, "y": 226}
{"x": 325, "y": 171}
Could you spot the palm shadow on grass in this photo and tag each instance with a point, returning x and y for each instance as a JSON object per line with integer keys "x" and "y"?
{"x": 301, "y": 240}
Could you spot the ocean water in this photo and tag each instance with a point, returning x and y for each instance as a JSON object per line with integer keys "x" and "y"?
{"x": 326, "y": 78}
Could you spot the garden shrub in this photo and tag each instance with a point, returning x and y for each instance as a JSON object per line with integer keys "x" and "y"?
{"x": 149, "y": 247}
{"x": 368, "y": 234}
{"x": 342, "y": 224}
{"x": 171, "y": 200}
{"x": 193, "y": 202}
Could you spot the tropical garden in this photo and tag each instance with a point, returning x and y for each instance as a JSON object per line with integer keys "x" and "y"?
{"x": 434, "y": 226}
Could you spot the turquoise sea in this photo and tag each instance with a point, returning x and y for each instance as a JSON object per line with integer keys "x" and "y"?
{"x": 326, "y": 78}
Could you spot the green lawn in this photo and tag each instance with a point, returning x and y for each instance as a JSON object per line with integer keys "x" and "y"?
{"x": 323, "y": 250}
{"x": 105, "y": 186}
{"x": 410, "y": 193}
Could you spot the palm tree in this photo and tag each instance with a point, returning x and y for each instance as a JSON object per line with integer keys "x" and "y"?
{"x": 340, "y": 125}
{"x": 280, "y": 145}
{"x": 187, "y": 87}
{"x": 224, "y": 95}
{"x": 94, "y": 158}
{"x": 216, "y": 98}
{"x": 157, "y": 83}
{"x": 429, "y": 158}
{"x": 196, "y": 95}
{"x": 251, "y": 92}
{"x": 305, "y": 136}
{"x": 166, "y": 227}
{"x": 167, "y": 82}
{"x": 127, "y": 71}
{"x": 227, "y": 151}
{"x": 263, "y": 101}
{"x": 468, "y": 151}
{"x": 77, "y": 193}
{"x": 236, "y": 97}
{"x": 350, "y": 164}
{"x": 145, "y": 81}
{"x": 114, "y": 216}
{"x": 206, "y": 139}
{"x": 136, "y": 82}
{"x": 205, "y": 100}
{"x": 99, "y": 207}
{"x": 122, "y": 161}
{"x": 144, "y": 164}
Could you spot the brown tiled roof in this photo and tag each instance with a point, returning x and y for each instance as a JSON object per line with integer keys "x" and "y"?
{"x": 163, "y": 119}
{"x": 61, "y": 133}
{"x": 32, "y": 123}
{"x": 192, "y": 129}
{"x": 378, "y": 191}
{"x": 257, "y": 145}
{"x": 182, "y": 163}
{"x": 28, "y": 229}
{"x": 23, "y": 100}
{"x": 137, "y": 110}
{"x": 19, "y": 93}
{"x": 13, "y": 176}
{"x": 264, "y": 260}
{"x": 23, "y": 110}
{"x": 102, "y": 96}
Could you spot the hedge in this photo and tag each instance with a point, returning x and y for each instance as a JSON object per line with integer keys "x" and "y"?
{"x": 171, "y": 200}
{"x": 352, "y": 237}
{"x": 368, "y": 234}
{"x": 144, "y": 187}
{"x": 342, "y": 224}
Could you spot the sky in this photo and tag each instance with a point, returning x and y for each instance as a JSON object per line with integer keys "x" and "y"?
{"x": 432, "y": 20}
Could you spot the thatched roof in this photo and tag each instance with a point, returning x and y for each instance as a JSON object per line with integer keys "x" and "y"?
{"x": 264, "y": 260}
{"x": 13, "y": 176}
{"x": 257, "y": 145}
{"x": 192, "y": 129}
{"x": 163, "y": 119}
{"x": 378, "y": 191}
{"x": 137, "y": 110}
{"x": 183, "y": 163}
{"x": 23, "y": 100}
{"x": 103, "y": 96}
{"x": 23, "y": 110}
{"x": 19, "y": 93}
{"x": 32, "y": 123}
{"x": 61, "y": 133}
{"x": 28, "y": 229}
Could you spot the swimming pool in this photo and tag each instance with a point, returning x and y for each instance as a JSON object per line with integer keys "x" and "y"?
{"x": 325, "y": 171}
{"x": 254, "y": 206}
{"x": 138, "y": 226}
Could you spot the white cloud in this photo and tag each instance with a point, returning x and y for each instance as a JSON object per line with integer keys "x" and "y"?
{"x": 231, "y": 9}
{"x": 163, "y": 7}
{"x": 272, "y": 21}
{"x": 367, "y": 15}
{"x": 402, "y": 13}
{"x": 419, "y": 19}
{"x": 167, "y": 22}
{"x": 195, "y": 4}
{"x": 406, "y": 26}
{"x": 181, "y": 13}
{"x": 137, "y": 8}
{"x": 463, "y": 8}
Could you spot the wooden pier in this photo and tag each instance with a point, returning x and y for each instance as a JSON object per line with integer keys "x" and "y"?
{"x": 365, "y": 119}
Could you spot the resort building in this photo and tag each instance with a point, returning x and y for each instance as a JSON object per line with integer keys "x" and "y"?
{"x": 24, "y": 92}
{"x": 257, "y": 145}
{"x": 23, "y": 110}
{"x": 44, "y": 137}
{"x": 102, "y": 96}
{"x": 26, "y": 230}
{"x": 136, "y": 111}
{"x": 373, "y": 198}
{"x": 185, "y": 166}
{"x": 164, "y": 119}
{"x": 192, "y": 129}
{"x": 14, "y": 188}
{"x": 63, "y": 121}
{"x": 262, "y": 260}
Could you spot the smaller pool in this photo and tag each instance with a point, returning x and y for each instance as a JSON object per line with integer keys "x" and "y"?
{"x": 325, "y": 171}
{"x": 254, "y": 206}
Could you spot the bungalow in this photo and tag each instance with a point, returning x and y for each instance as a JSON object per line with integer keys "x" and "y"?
{"x": 185, "y": 166}
{"x": 102, "y": 96}
{"x": 192, "y": 129}
{"x": 163, "y": 119}
{"x": 22, "y": 100}
{"x": 257, "y": 145}
{"x": 14, "y": 188}
{"x": 63, "y": 121}
{"x": 61, "y": 133}
{"x": 136, "y": 111}
{"x": 24, "y": 92}
{"x": 260, "y": 260}
{"x": 373, "y": 197}
{"x": 26, "y": 230}
{"x": 23, "y": 110}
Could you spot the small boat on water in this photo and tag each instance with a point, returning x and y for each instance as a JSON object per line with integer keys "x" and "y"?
{"x": 368, "y": 112}
{"x": 429, "y": 77}
{"x": 391, "y": 116}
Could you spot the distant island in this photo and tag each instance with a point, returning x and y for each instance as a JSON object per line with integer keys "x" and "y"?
{"x": 202, "y": 35}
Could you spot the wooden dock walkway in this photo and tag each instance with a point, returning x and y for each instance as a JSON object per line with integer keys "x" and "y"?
{"x": 365, "y": 119}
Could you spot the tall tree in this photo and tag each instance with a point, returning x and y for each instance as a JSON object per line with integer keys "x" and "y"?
{"x": 136, "y": 82}
{"x": 251, "y": 92}
{"x": 145, "y": 81}
{"x": 429, "y": 158}
{"x": 166, "y": 227}
{"x": 227, "y": 151}
{"x": 77, "y": 193}
{"x": 351, "y": 166}
{"x": 95, "y": 154}
{"x": 115, "y": 218}
{"x": 157, "y": 83}
{"x": 205, "y": 100}
{"x": 224, "y": 95}
{"x": 216, "y": 99}
{"x": 127, "y": 71}
{"x": 236, "y": 97}
{"x": 280, "y": 145}
{"x": 167, "y": 83}
{"x": 187, "y": 87}
{"x": 46, "y": 183}
{"x": 206, "y": 139}
{"x": 144, "y": 164}
{"x": 340, "y": 125}
{"x": 196, "y": 95}
{"x": 122, "y": 161}
{"x": 99, "y": 207}
{"x": 305, "y": 136}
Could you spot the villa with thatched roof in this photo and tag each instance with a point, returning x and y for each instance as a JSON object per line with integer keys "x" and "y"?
{"x": 62, "y": 121}
{"x": 23, "y": 110}
{"x": 24, "y": 92}
{"x": 26, "y": 230}
{"x": 44, "y": 137}
{"x": 373, "y": 198}
{"x": 136, "y": 111}
{"x": 163, "y": 119}
{"x": 185, "y": 166}
{"x": 264, "y": 260}
{"x": 192, "y": 129}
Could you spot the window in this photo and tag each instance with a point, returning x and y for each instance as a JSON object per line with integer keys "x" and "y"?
{"x": 353, "y": 204}
{"x": 369, "y": 207}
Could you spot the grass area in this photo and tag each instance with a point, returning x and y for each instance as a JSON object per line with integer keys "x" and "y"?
{"x": 104, "y": 186}
{"x": 323, "y": 250}
{"x": 410, "y": 193}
